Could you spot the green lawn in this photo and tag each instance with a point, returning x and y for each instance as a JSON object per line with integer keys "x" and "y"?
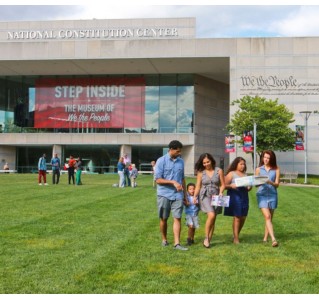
{"x": 311, "y": 179}
{"x": 97, "y": 239}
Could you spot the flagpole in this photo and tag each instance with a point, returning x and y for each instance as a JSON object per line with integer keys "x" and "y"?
{"x": 306, "y": 114}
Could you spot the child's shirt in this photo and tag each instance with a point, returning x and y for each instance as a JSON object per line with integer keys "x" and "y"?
{"x": 192, "y": 209}
{"x": 134, "y": 173}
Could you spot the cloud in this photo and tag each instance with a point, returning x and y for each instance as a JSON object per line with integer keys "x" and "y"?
{"x": 212, "y": 21}
{"x": 303, "y": 21}
{"x": 241, "y": 21}
{"x": 107, "y": 11}
{"x": 38, "y": 12}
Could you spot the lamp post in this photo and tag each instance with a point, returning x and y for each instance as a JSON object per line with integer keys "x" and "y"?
{"x": 306, "y": 114}
{"x": 255, "y": 143}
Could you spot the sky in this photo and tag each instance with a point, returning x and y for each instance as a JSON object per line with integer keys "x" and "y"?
{"x": 212, "y": 21}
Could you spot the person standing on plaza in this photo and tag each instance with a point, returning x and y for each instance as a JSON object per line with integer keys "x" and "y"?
{"x": 267, "y": 196}
{"x": 171, "y": 191}
{"x": 42, "y": 169}
{"x": 127, "y": 163}
{"x": 210, "y": 181}
{"x": 71, "y": 165}
{"x": 120, "y": 171}
{"x": 6, "y": 167}
{"x": 56, "y": 166}
{"x": 79, "y": 168}
{"x": 238, "y": 196}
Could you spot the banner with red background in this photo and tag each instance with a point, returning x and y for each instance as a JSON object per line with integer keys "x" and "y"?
{"x": 299, "y": 145}
{"x": 248, "y": 141}
{"x": 90, "y": 102}
{"x": 229, "y": 143}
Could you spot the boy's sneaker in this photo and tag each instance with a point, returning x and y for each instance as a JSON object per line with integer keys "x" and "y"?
{"x": 165, "y": 243}
{"x": 189, "y": 242}
{"x": 40, "y": 183}
{"x": 179, "y": 247}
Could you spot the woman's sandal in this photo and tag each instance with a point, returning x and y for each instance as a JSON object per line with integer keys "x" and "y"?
{"x": 274, "y": 243}
{"x": 205, "y": 245}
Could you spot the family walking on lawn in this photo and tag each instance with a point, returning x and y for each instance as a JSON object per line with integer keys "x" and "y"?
{"x": 173, "y": 196}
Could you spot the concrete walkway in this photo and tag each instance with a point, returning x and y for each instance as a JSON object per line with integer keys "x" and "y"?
{"x": 299, "y": 185}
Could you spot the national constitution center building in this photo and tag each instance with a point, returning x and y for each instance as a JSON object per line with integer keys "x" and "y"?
{"x": 101, "y": 88}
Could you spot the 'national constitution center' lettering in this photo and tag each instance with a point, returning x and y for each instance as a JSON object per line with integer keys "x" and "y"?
{"x": 93, "y": 33}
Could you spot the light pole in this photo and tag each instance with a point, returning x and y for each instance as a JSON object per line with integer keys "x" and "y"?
{"x": 255, "y": 143}
{"x": 306, "y": 114}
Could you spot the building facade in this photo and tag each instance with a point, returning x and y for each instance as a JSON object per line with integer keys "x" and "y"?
{"x": 102, "y": 88}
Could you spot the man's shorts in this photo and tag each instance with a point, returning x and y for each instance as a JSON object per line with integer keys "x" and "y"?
{"x": 165, "y": 206}
{"x": 192, "y": 221}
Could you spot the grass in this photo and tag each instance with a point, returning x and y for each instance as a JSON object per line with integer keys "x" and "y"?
{"x": 97, "y": 239}
{"x": 311, "y": 179}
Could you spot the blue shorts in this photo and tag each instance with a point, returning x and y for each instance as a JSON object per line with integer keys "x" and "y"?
{"x": 192, "y": 221}
{"x": 165, "y": 206}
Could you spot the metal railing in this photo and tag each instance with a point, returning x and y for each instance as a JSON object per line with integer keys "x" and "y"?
{"x": 96, "y": 169}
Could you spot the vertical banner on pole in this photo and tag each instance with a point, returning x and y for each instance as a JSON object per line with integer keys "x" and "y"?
{"x": 299, "y": 143}
{"x": 248, "y": 141}
{"x": 229, "y": 143}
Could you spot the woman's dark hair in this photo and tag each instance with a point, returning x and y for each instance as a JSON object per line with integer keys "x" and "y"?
{"x": 272, "y": 160}
{"x": 234, "y": 164}
{"x": 199, "y": 164}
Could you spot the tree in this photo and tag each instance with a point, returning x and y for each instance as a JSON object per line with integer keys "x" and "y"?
{"x": 272, "y": 121}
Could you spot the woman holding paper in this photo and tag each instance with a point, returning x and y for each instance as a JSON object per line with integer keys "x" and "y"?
{"x": 267, "y": 196}
{"x": 239, "y": 201}
{"x": 210, "y": 181}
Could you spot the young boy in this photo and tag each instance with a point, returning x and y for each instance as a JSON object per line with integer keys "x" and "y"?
{"x": 191, "y": 211}
{"x": 133, "y": 175}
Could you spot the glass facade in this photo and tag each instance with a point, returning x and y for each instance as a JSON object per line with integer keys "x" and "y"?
{"x": 167, "y": 107}
{"x": 168, "y": 104}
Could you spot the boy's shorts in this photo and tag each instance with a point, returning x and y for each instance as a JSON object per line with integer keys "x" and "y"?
{"x": 192, "y": 221}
